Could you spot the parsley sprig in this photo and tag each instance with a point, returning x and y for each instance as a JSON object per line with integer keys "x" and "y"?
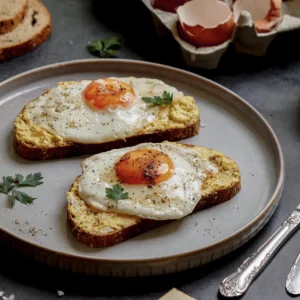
{"x": 104, "y": 48}
{"x": 165, "y": 99}
{"x": 10, "y": 184}
{"x": 116, "y": 193}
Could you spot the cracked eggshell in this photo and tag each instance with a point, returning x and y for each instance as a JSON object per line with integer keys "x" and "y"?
{"x": 264, "y": 13}
{"x": 168, "y": 5}
{"x": 245, "y": 36}
{"x": 204, "y": 23}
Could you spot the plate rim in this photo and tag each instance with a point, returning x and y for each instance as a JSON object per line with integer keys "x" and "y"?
{"x": 271, "y": 202}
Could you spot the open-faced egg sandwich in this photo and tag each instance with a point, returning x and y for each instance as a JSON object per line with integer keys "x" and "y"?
{"x": 124, "y": 192}
{"x": 92, "y": 116}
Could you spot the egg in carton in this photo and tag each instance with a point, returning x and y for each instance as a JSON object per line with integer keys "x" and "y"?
{"x": 204, "y": 29}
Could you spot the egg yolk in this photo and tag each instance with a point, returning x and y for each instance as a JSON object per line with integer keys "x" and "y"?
{"x": 107, "y": 92}
{"x": 144, "y": 166}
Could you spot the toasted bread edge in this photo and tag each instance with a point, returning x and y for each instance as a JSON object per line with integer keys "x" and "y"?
{"x": 144, "y": 225}
{"x": 31, "y": 152}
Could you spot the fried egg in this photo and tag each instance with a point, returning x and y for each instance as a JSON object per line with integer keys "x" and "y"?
{"x": 95, "y": 111}
{"x": 158, "y": 181}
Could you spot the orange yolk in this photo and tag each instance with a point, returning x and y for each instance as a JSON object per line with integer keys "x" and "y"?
{"x": 109, "y": 93}
{"x": 144, "y": 166}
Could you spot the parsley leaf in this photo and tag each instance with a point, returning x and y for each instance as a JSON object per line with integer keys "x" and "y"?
{"x": 104, "y": 48}
{"x": 116, "y": 193}
{"x": 31, "y": 180}
{"x": 165, "y": 99}
{"x": 7, "y": 185}
{"x": 22, "y": 197}
{"x": 10, "y": 184}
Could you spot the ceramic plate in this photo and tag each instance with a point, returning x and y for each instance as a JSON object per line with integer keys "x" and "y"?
{"x": 228, "y": 124}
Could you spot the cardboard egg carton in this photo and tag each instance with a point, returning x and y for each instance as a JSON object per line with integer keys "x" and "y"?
{"x": 244, "y": 37}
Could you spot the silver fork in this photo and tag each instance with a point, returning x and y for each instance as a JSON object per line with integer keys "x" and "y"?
{"x": 237, "y": 283}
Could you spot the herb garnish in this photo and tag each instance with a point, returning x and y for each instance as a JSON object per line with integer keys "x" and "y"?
{"x": 104, "y": 48}
{"x": 166, "y": 98}
{"x": 116, "y": 193}
{"x": 9, "y": 184}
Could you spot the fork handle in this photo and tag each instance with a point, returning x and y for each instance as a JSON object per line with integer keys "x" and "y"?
{"x": 237, "y": 283}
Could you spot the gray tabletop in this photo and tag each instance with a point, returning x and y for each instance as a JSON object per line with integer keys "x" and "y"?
{"x": 270, "y": 83}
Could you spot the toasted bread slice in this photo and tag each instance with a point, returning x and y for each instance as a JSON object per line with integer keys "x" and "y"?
{"x": 32, "y": 31}
{"x": 11, "y": 14}
{"x": 101, "y": 229}
{"x": 172, "y": 122}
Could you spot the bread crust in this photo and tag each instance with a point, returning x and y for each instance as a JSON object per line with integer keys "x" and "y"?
{"x": 143, "y": 225}
{"x": 31, "y": 152}
{"x": 11, "y": 24}
{"x": 28, "y": 45}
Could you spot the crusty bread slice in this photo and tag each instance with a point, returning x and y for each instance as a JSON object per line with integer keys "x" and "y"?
{"x": 100, "y": 229}
{"x": 29, "y": 34}
{"x": 36, "y": 143}
{"x": 12, "y": 13}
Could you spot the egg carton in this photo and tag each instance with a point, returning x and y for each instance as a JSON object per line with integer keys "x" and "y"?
{"x": 245, "y": 38}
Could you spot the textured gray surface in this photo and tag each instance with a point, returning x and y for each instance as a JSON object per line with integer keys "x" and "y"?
{"x": 270, "y": 83}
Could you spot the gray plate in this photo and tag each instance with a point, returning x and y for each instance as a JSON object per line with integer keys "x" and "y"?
{"x": 232, "y": 126}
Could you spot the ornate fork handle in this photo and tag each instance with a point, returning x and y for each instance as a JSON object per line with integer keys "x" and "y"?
{"x": 237, "y": 283}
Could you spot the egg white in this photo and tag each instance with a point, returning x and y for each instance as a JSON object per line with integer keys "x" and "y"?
{"x": 171, "y": 199}
{"x": 63, "y": 111}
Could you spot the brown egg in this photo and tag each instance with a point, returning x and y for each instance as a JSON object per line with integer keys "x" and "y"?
{"x": 205, "y": 23}
{"x": 265, "y": 13}
{"x": 168, "y": 5}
